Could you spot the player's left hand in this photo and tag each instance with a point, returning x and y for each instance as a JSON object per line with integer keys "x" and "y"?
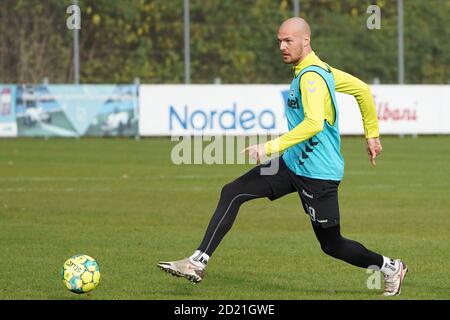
{"x": 257, "y": 152}
{"x": 373, "y": 149}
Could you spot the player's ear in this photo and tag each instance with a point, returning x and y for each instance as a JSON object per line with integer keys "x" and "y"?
{"x": 306, "y": 41}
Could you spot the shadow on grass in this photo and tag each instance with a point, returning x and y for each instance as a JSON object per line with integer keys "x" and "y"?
{"x": 245, "y": 287}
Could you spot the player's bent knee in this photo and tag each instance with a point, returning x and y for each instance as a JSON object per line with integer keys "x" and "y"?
{"x": 329, "y": 249}
{"x": 231, "y": 190}
{"x": 334, "y": 249}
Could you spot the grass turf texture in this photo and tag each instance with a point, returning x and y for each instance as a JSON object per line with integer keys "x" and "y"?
{"x": 124, "y": 203}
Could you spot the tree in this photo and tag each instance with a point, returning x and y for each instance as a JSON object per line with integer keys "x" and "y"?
{"x": 234, "y": 40}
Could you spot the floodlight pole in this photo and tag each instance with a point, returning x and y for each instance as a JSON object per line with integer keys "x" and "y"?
{"x": 296, "y": 8}
{"x": 401, "y": 54}
{"x": 187, "y": 49}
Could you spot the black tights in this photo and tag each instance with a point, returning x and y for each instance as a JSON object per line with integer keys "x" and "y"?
{"x": 333, "y": 244}
{"x": 251, "y": 186}
{"x": 233, "y": 195}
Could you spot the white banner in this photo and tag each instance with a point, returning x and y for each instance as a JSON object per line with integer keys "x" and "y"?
{"x": 211, "y": 109}
{"x": 8, "y": 124}
{"x": 259, "y": 109}
{"x": 401, "y": 109}
{"x": 8, "y": 130}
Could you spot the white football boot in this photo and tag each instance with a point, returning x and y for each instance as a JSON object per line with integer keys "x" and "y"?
{"x": 183, "y": 268}
{"x": 393, "y": 284}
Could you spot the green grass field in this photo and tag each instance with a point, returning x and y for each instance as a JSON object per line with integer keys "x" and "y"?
{"x": 123, "y": 202}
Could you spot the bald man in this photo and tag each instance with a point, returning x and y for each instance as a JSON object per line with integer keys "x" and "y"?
{"x": 311, "y": 165}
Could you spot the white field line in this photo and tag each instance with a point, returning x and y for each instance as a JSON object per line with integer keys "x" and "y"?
{"x": 118, "y": 178}
{"x": 11, "y": 190}
{"x": 61, "y": 190}
{"x": 400, "y": 187}
{"x": 160, "y": 177}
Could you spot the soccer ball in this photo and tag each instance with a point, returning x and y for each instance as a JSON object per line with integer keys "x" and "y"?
{"x": 81, "y": 273}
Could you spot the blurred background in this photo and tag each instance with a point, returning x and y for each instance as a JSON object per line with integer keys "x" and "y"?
{"x": 230, "y": 41}
{"x": 99, "y": 68}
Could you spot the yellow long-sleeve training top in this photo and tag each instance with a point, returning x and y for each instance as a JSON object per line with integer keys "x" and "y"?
{"x": 317, "y": 104}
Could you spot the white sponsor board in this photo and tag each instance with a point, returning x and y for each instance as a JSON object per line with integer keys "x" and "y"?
{"x": 211, "y": 109}
{"x": 259, "y": 109}
{"x": 8, "y": 130}
{"x": 8, "y": 125}
{"x": 401, "y": 109}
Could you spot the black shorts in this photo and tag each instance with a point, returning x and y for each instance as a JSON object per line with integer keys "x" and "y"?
{"x": 319, "y": 197}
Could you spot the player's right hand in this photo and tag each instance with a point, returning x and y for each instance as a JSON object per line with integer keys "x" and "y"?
{"x": 257, "y": 152}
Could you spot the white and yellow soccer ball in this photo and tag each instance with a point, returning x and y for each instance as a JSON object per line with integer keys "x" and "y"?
{"x": 81, "y": 273}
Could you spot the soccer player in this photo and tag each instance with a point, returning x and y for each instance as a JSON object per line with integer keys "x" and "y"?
{"x": 311, "y": 164}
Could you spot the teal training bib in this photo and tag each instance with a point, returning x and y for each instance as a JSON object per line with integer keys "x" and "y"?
{"x": 320, "y": 156}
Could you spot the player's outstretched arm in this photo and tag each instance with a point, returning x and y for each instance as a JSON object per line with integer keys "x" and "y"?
{"x": 314, "y": 91}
